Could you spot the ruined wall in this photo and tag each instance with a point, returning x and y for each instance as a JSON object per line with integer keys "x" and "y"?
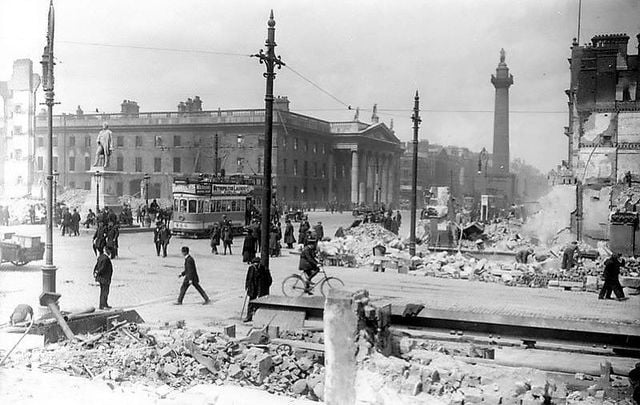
{"x": 595, "y": 164}
{"x": 595, "y": 213}
{"x": 554, "y": 214}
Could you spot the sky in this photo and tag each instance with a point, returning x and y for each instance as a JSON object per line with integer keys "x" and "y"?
{"x": 356, "y": 53}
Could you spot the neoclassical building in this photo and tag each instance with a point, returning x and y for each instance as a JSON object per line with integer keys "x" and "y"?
{"x": 314, "y": 161}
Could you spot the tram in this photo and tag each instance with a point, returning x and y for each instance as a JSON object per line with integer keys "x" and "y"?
{"x": 201, "y": 201}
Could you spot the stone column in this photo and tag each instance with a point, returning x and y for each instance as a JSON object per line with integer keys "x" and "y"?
{"x": 354, "y": 176}
{"x": 330, "y": 163}
{"x": 340, "y": 331}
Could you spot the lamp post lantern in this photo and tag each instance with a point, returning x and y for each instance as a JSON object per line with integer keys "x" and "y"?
{"x": 98, "y": 176}
{"x": 271, "y": 61}
{"x": 49, "y": 269}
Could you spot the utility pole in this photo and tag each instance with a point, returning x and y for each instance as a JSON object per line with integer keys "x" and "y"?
{"x": 49, "y": 269}
{"x": 414, "y": 181}
{"x": 270, "y": 60}
{"x": 215, "y": 156}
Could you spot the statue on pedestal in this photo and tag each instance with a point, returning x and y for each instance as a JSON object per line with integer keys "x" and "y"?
{"x": 105, "y": 147}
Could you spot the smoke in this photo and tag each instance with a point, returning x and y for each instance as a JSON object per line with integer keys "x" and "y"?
{"x": 553, "y": 216}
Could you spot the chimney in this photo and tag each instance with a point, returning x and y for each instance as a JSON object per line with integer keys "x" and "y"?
{"x": 281, "y": 103}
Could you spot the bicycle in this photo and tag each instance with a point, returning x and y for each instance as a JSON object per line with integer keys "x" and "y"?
{"x": 294, "y": 285}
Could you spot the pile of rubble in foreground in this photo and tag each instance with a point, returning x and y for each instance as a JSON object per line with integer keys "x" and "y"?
{"x": 176, "y": 358}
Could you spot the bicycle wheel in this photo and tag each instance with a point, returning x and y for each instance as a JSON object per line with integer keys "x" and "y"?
{"x": 330, "y": 283}
{"x": 293, "y": 286}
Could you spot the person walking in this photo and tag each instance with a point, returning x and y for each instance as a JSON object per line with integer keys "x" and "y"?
{"x": 288, "y": 234}
{"x": 102, "y": 273}
{"x": 611, "y": 281}
{"x": 303, "y": 231}
{"x": 257, "y": 284}
{"x": 215, "y": 238}
{"x": 227, "y": 238}
{"x": 165, "y": 237}
{"x": 248, "y": 248}
{"x": 66, "y": 222}
{"x": 319, "y": 230}
{"x": 190, "y": 275}
{"x": 112, "y": 239}
{"x": 156, "y": 237}
{"x": 569, "y": 256}
{"x": 75, "y": 222}
{"x": 99, "y": 238}
{"x": 32, "y": 214}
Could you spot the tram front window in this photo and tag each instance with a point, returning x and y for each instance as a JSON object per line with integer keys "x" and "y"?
{"x": 183, "y": 205}
{"x": 192, "y": 206}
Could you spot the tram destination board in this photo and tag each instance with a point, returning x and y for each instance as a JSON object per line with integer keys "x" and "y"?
{"x": 203, "y": 188}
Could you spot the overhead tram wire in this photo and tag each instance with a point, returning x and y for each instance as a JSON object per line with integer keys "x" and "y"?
{"x": 153, "y": 48}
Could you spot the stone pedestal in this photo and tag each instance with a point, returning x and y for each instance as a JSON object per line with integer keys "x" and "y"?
{"x": 103, "y": 186}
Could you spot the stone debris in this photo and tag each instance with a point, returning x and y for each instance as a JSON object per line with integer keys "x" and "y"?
{"x": 175, "y": 359}
{"x": 356, "y": 247}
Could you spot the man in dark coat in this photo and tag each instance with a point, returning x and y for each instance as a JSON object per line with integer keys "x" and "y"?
{"x": 75, "y": 222}
{"x": 303, "y": 231}
{"x": 165, "y": 237}
{"x": 190, "y": 278}
{"x": 319, "y": 230}
{"x": 227, "y": 238}
{"x": 156, "y": 237}
{"x": 66, "y": 222}
{"x": 248, "y": 248}
{"x": 569, "y": 256}
{"x": 308, "y": 262}
{"x": 99, "y": 238}
{"x": 102, "y": 273}
{"x": 288, "y": 234}
{"x": 611, "y": 282}
{"x": 257, "y": 283}
{"x": 112, "y": 239}
{"x": 215, "y": 238}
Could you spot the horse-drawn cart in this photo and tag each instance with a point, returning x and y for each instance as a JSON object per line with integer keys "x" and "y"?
{"x": 20, "y": 250}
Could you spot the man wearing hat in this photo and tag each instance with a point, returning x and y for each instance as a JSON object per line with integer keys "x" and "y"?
{"x": 611, "y": 281}
{"x": 257, "y": 284}
{"x": 309, "y": 262}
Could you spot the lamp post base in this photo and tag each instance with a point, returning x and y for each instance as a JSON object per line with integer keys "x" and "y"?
{"x": 49, "y": 278}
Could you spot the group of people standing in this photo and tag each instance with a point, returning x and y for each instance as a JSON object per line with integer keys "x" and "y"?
{"x": 70, "y": 222}
{"x": 105, "y": 238}
{"x": 221, "y": 232}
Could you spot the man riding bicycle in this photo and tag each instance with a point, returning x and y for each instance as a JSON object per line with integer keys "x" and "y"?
{"x": 309, "y": 262}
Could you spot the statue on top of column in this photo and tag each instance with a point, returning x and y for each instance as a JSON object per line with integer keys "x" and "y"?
{"x": 105, "y": 146}
{"x": 502, "y": 55}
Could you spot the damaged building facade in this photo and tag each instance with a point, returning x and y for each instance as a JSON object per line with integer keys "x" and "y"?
{"x": 604, "y": 141}
{"x": 314, "y": 161}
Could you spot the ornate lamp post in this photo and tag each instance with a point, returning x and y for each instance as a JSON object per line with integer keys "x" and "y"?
{"x": 414, "y": 184}
{"x": 49, "y": 270}
{"x": 55, "y": 196}
{"x": 271, "y": 61}
{"x": 98, "y": 176}
{"x": 146, "y": 189}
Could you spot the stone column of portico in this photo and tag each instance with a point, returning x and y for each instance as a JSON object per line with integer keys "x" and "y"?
{"x": 354, "y": 176}
{"x": 369, "y": 180}
{"x": 362, "y": 185}
{"x": 330, "y": 171}
{"x": 392, "y": 174}
{"x": 385, "y": 179}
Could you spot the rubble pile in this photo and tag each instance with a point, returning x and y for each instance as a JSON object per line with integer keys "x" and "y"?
{"x": 176, "y": 358}
{"x": 359, "y": 242}
{"x": 73, "y": 198}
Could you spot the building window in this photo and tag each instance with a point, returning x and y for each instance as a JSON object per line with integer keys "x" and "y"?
{"x": 87, "y": 142}
{"x": 176, "y": 165}
{"x": 198, "y": 168}
{"x": 119, "y": 163}
{"x": 40, "y": 141}
{"x": 72, "y": 163}
{"x": 260, "y": 169}
{"x": 295, "y": 143}
{"x": 155, "y": 190}
{"x": 177, "y": 141}
{"x": 284, "y": 192}
{"x": 315, "y": 169}
{"x": 55, "y": 163}
{"x": 315, "y": 147}
{"x": 17, "y": 129}
{"x": 157, "y": 165}
{"x": 120, "y": 141}
{"x": 295, "y": 167}
{"x": 306, "y": 145}
{"x": 87, "y": 163}
{"x": 324, "y": 170}
{"x": 72, "y": 141}
{"x": 72, "y": 184}
{"x": 54, "y": 141}
{"x": 40, "y": 163}
{"x": 119, "y": 188}
{"x": 305, "y": 170}
{"x": 87, "y": 185}
{"x": 17, "y": 109}
{"x": 324, "y": 149}
{"x": 240, "y": 140}
{"x": 284, "y": 166}
{"x": 239, "y": 163}
{"x": 284, "y": 142}
{"x": 261, "y": 142}
{"x": 138, "y": 141}
{"x": 157, "y": 141}
{"x": 138, "y": 164}
{"x": 18, "y": 154}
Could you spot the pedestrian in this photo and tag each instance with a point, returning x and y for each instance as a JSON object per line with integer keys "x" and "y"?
{"x": 102, "y": 273}
{"x": 227, "y": 238}
{"x": 32, "y": 214}
{"x": 569, "y": 256}
{"x": 112, "y": 239}
{"x": 75, "y": 222}
{"x": 248, "y": 248}
{"x": 190, "y": 278}
{"x": 319, "y": 230}
{"x": 215, "y": 238}
{"x": 66, "y": 222}
{"x": 288, "y": 234}
{"x": 303, "y": 231}
{"x": 611, "y": 282}
{"x": 165, "y": 237}
{"x": 156, "y": 237}
{"x": 273, "y": 241}
{"x": 139, "y": 215}
{"x": 99, "y": 238}
{"x": 255, "y": 233}
{"x": 256, "y": 284}
{"x": 90, "y": 220}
